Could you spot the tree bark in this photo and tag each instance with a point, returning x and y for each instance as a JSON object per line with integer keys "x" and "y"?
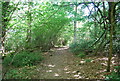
{"x": 5, "y": 20}
{"x": 0, "y": 25}
{"x": 75, "y": 22}
{"x": 111, "y": 14}
{"x": 28, "y": 39}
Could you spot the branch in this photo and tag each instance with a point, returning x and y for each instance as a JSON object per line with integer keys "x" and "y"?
{"x": 13, "y": 11}
{"x": 7, "y": 31}
{"x": 99, "y": 38}
{"x": 95, "y": 19}
{"x": 98, "y": 9}
{"x": 51, "y": 15}
{"x": 73, "y": 4}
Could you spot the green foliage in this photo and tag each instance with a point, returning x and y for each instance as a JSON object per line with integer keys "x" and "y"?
{"x": 115, "y": 75}
{"x": 88, "y": 60}
{"x": 22, "y": 73}
{"x": 81, "y": 55}
{"x": 80, "y": 46}
{"x": 23, "y": 58}
{"x": 47, "y": 31}
{"x": 45, "y": 21}
{"x": 7, "y": 60}
{"x": 117, "y": 67}
{"x": 13, "y": 74}
{"x": 116, "y": 45}
{"x": 75, "y": 48}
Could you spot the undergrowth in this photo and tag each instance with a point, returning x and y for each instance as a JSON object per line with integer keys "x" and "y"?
{"x": 22, "y": 73}
{"x": 24, "y": 58}
{"x": 79, "y": 48}
{"x": 115, "y": 75}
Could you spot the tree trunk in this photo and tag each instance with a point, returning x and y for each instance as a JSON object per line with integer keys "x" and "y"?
{"x": 28, "y": 39}
{"x": 112, "y": 24}
{"x": 0, "y": 25}
{"x": 75, "y": 22}
{"x": 5, "y": 6}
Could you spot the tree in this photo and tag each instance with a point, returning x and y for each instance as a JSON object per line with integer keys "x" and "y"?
{"x": 112, "y": 21}
{"x": 29, "y": 17}
{"x": 75, "y": 22}
{"x": 7, "y": 12}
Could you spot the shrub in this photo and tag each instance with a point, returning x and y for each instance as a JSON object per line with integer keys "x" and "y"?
{"x": 114, "y": 76}
{"x": 23, "y": 58}
{"x": 7, "y": 60}
{"x": 81, "y": 55}
{"x": 77, "y": 47}
{"x": 88, "y": 60}
{"x": 21, "y": 73}
{"x": 13, "y": 74}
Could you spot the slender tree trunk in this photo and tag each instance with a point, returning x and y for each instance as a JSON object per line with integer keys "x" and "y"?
{"x": 29, "y": 23}
{"x": 5, "y": 6}
{"x": 95, "y": 30}
{"x": 112, "y": 23}
{"x": 0, "y": 41}
{"x": 75, "y": 22}
{"x": 0, "y": 26}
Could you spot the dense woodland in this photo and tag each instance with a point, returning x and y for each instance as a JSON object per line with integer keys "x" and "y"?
{"x": 35, "y": 32}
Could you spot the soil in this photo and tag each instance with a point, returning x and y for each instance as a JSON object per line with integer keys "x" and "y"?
{"x": 62, "y": 64}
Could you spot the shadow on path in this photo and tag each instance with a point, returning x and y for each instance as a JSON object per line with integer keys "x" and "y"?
{"x": 62, "y": 64}
{"x": 57, "y": 64}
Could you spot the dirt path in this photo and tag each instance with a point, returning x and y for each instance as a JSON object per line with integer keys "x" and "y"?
{"x": 57, "y": 65}
{"x": 61, "y": 64}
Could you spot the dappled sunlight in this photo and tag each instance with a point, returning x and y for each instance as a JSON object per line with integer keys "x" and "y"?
{"x": 63, "y": 48}
{"x": 74, "y": 72}
{"x": 104, "y": 59}
{"x": 5, "y": 53}
{"x": 101, "y": 71}
{"x": 77, "y": 76}
{"x": 50, "y": 65}
{"x": 49, "y": 71}
{"x": 56, "y": 74}
{"x": 82, "y": 62}
{"x": 66, "y": 68}
{"x": 104, "y": 64}
{"x": 68, "y": 72}
{"x": 113, "y": 62}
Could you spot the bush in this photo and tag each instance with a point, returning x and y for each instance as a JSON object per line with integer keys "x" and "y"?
{"x": 23, "y": 59}
{"x": 116, "y": 46}
{"x": 21, "y": 73}
{"x": 13, "y": 74}
{"x": 74, "y": 48}
{"x": 7, "y": 60}
{"x": 81, "y": 55}
{"x": 115, "y": 75}
{"x": 77, "y": 47}
{"x": 88, "y": 60}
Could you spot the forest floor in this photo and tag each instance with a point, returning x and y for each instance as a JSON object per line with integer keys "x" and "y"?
{"x": 60, "y": 63}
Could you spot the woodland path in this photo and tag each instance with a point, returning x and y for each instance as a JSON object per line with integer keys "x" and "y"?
{"x": 62, "y": 64}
